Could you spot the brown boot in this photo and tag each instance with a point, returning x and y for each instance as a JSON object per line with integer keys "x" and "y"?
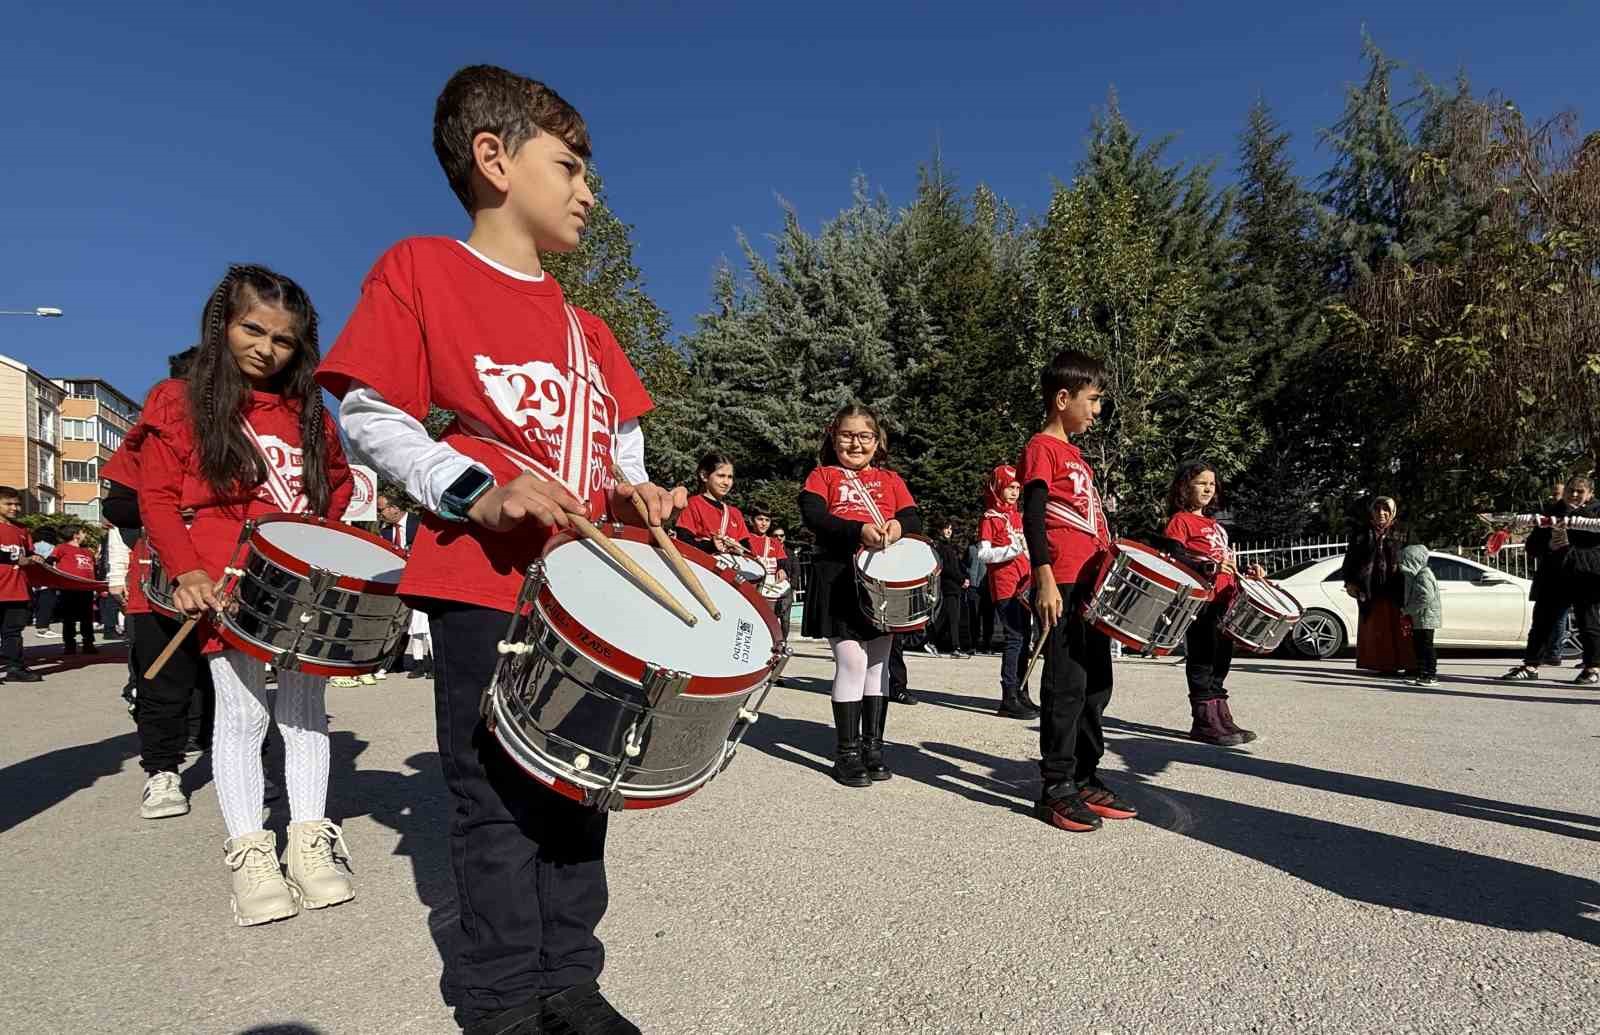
{"x": 1234, "y": 727}
{"x": 1209, "y": 727}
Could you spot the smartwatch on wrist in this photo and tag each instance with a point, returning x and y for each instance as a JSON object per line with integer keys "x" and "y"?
{"x": 463, "y": 493}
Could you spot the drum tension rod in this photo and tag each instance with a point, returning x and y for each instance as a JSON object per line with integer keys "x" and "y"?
{"x": 658, "y": 683}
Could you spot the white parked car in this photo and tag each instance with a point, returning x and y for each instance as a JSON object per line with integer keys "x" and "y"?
{"x": 1483, "y": 607}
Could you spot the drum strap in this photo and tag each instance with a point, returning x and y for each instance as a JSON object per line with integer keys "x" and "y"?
{"x": 866, "y": 497}
{"x": 284, "y": 498}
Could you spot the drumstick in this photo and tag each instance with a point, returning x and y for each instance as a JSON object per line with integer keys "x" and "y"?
{"x": 675, "y": 561}
{"x": 653, "y": 589}
{"x": 171, "y": 648}
{"x": 1036, "y": 652}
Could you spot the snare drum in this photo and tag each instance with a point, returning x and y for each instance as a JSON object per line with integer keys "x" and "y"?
{"x": 899, "y": 584}
{"x": 745, "y": 569}
{"x": 312, "y": 595}
{"x": 158, "y": 587}
{"x": 608, "y": 699}
{"x": 1260, "y": 615}
{"x": 1145, "y": 599}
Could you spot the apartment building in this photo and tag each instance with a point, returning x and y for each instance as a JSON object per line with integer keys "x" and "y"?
{"x": 30, "y": 436}
{"x": 94, "y": 419}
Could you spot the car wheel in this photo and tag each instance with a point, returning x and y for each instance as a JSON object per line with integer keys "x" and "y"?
{"x": 1318, "y": 634}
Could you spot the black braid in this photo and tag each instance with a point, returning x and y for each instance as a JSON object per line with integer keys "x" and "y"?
{"x": 313, "y": 435}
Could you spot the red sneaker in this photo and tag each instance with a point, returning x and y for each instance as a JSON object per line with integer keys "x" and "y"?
{"x": 1102, "y": 801}
{"x": 1068, "y": 813}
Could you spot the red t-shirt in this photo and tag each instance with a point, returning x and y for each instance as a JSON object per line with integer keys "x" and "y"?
{"x": 1074, "y": 524}
{"x": 16, "y": 543}
{"x": 1007, "y": 579}
{"x": 842, "y": 493}
{"x": 704, "y": 519}
{"x": 171, "y": 481}
{"x": 74, "y": 560}
{"x": 1204, "y": 536}
{"x": 767, "y": 550}
{"x": 437, "y": 326}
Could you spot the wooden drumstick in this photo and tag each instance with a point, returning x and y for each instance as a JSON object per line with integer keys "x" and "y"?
{"x": 171, "y": 648}
{"x": 675, "y": 561}
{"x": 1034, "y": 659}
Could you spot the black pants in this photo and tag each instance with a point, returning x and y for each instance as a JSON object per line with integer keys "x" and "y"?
{"x": 949, "y": 619}
{"x": 44, "y": 609}
{"x": 1072, "y": 699}
{"x": 783, "y": 607}
{"x": 167, "y": 702}
{"x": 1018, "y": 623}
{"x": 1207, "y": 654}
{"x": 981, "y": 611}
{"x": 76, "y": 609}
{"x": 895, "y": 670}
{"x": 110, "y": 608}
{"x": 529, "y": 865}
{"x": 1548, "y": 610}
{"x": 13, "y": 619}
{"x": 1427, "y": 656}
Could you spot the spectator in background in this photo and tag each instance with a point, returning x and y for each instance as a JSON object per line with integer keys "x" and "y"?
{"x": 1568, "y": 579}
{"x": 44, "y": 598}
{"x": 1563, "y": 624}
{"x": 980, "y": 609}
{"x": 76, "y": 606}
{"x": 953, "y": 582}
{"x": 1423, "y": 611}
{"x": 1372, "y": 575}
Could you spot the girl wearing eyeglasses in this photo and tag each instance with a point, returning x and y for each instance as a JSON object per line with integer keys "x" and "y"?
{"x": 852, "y": 500}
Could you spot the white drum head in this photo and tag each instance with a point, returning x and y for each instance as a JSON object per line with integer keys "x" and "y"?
{"x": 1270, "y": 598}
{"x": 903, "y": 561}
{"x": 333, "y": 549}
{"x": 606, "y": 602}
{"x": 1154, "y": 562}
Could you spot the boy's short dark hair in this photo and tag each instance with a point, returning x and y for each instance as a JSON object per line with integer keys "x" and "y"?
{"x": 1071, "y": 371}
{"x": 757, "y": 510}
{"x": 487, "y": 99}
{"x": 8, "y": 493}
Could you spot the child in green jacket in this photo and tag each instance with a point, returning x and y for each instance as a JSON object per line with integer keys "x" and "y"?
{"x": 1423, "y": 610}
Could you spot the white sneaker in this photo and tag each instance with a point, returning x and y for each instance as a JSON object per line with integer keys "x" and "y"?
{"x": 382, "y": 673}
{"x": 163, "y": 797}
{"x": 48, "y": 634}
{"x": 344, "y": 682}
{"x": 260, "y": 894}
{"x": 368, "y": 679}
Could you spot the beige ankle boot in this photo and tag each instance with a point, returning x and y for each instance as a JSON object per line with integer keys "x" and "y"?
{"x": 260, "y": 895}
{"x": 308, "y": 860}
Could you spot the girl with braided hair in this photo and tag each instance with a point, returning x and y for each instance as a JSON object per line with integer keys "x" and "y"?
{"x": 246, "y": 435}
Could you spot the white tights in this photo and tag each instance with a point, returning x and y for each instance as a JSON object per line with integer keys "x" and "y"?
{"x": 858, "y": 667}
{"x": 241, "y": 726}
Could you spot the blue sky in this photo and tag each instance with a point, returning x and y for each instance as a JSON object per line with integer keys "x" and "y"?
{"x": 148, "y": 145}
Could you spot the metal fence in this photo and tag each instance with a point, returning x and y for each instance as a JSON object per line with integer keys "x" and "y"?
{"x": 1276, "y": 556}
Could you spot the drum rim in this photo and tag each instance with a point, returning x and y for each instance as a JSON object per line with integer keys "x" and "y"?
{"x": 295, "y": 565}
{"x": 899, "y": 583}
{"x": 1202, "y": 587}
{"x": 1284, "y": 615}
{"x": 633, "y": 667}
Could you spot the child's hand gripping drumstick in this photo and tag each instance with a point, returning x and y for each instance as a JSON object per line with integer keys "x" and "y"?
{"x": 675, "y": 561}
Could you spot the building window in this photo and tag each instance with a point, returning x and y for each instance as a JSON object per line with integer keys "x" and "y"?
{"x": 80, "y": 470}
{"x": 88, "y": 511}
{"x": 110, "y": 437}
{"x": 45, "y": 431}
{"x": 78, "y": 430}
{"x": 44, "y": 465}
{"x": 81, "y": 389}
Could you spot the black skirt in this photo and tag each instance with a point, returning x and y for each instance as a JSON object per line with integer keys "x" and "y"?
{"x": 833, "y": 603}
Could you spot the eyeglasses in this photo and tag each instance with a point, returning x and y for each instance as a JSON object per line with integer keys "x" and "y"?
{"x": 864, "y": 438}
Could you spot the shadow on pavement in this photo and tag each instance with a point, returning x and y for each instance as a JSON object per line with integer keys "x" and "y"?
{"x": 38, "y": 784}
{"x": 1154, "y": 755}
{"x": 281, "y": 1029}
{"x": 959, "y": 702}
{"x": 795, "y": 740}
{"x": 1374, "y": 683}
{"x": 1373, "y": 866}
{"x": 413, "y": 805}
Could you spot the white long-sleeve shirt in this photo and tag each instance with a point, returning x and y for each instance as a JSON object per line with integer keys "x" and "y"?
{"x": 116, "y": 562}
{"x": 400, "y": 448}
{"x": 989, "y": 553}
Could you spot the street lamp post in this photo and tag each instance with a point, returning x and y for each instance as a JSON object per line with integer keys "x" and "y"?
{"x": 44, "y": 310}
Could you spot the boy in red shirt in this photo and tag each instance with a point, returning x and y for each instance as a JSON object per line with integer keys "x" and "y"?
{"x": 478, "y": 328}
{"x": 16, "y": 553}
{"x": 1066, "y": 533}
{"x": 76, "y": 607}
{"x": 768, "y": 549}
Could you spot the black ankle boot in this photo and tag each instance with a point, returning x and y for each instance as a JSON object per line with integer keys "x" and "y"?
{"x": 847, "y": 766}
{"x": 1013, "y": 706}
{"x": 873, "y": 712}
{"x": 1026, "y": 700}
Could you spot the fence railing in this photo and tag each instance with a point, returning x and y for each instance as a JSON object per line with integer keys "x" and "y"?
{"x": 1512, "y": 558}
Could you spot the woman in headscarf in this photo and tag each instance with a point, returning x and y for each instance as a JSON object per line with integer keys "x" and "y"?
{"x": 1372, "y": 575}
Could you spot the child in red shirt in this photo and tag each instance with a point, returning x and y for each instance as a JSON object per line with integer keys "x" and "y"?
{"x": 1207, "y": 653}
{"x": 16, "y": 553}
{"x": 710, "y": 522}
{"x": 1067, "y": 534}
{"x": 768, "y": 549}
{"x": 545, "y": 403}
{"x": 1002, "y": 547}
{"x": 76, "y": 607}
{"x": 246, "y": 435}
{"x": 849, "y": 501}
